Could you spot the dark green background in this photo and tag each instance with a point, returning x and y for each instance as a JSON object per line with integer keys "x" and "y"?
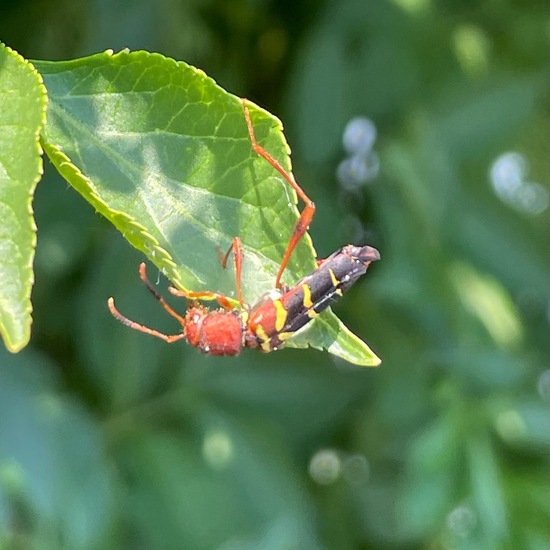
{"x": 110, "y": 439}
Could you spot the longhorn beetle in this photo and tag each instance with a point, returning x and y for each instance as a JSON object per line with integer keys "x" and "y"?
{"x": 278, "y": 314}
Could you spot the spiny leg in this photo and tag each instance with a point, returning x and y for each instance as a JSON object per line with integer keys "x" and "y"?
{"x": 307, "y": 213}
{"x": 141, "y": 328}
{"x": 203, "y": 295}
{"x": 236, "y": 247}
{"x": 225, "y": 302}
{"x": 156, "y": 295}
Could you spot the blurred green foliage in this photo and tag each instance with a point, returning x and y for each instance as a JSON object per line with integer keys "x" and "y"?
{"x": 110, "y": 440}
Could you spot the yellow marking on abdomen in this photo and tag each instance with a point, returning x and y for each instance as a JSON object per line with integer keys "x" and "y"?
{"x": 266, "y": 346}
{"x": 261, "y": 333}
{"x": 280, "y": 316}
{"x": 307, "y": 296}
{"x": 335, "y": 281}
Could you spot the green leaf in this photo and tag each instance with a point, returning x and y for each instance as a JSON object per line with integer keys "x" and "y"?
{"x": 22, "y": 114}
{"x": 164, "y": 153}
{"x": 487, "y": 489}
{"x": 329, "y": 333}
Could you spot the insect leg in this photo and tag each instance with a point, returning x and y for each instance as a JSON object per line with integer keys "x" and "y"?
{"x": 236, "y": 247}
{"x": 141, "y": 328}
{"x": 203, "y": 295}
{"x": 156, "y": 295}
{"x": 307, "y": 213}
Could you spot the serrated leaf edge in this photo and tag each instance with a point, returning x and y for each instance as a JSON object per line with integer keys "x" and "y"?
{"x": 135, "y": 233}
{"x": 15, "y": 347}
{"x": 161, "y": 257}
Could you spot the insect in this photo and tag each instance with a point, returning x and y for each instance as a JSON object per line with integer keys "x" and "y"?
{"x": 278, "y": 314}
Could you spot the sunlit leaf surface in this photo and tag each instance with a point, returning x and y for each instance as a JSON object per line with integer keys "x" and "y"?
{"x": 164, "y": 153}
{"x": 22, "y": 113}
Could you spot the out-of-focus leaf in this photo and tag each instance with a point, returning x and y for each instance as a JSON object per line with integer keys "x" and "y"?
{"x": 525, "y": 426}
{"x": 423, "y": 503}
{"x": 22, "y": 114}
{"x": 486, "y": 489}
{"x": 432, "y": 468}
{"x": 435, "y": 448}
{"x": 490, "y": 303}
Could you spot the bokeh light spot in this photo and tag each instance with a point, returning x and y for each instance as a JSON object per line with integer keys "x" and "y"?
{"x": 359, "y": 136}
{"x": 325, "y": 466}
{"x": 508, "y": 174}
{"x": 355, "y": 171}
{"x": 217, "y": 449}
{"x": 461, "y": 521}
